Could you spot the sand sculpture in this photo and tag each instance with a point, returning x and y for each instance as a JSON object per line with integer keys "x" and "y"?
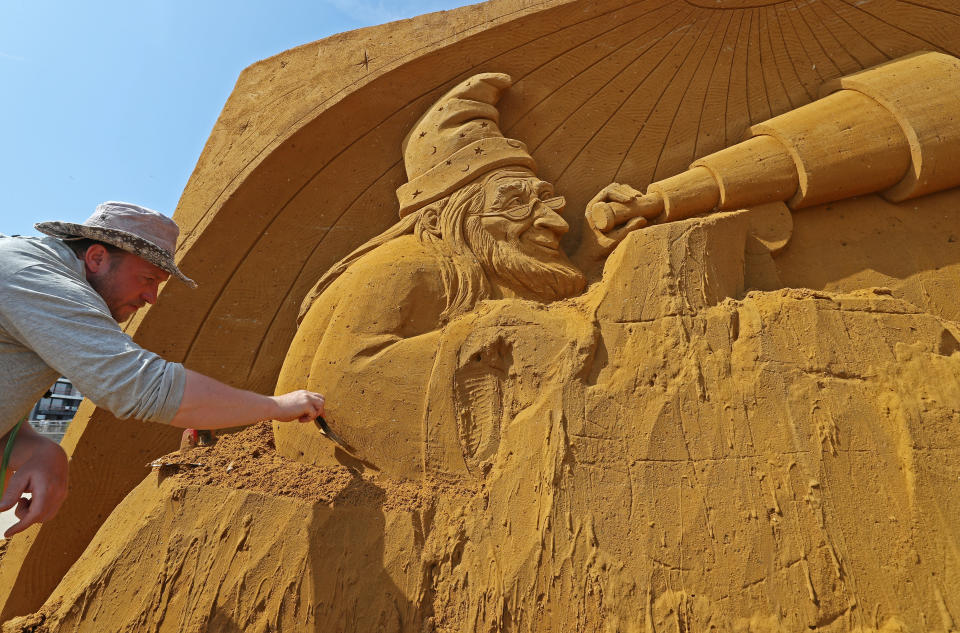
{"x": 477, "y": 223}
{"x": 725, "y": 396}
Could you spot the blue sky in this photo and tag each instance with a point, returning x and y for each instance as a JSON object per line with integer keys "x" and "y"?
{"x": 107, "y": 100}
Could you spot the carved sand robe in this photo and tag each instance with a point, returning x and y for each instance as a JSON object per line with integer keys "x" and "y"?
{"x": 725, "y": 398}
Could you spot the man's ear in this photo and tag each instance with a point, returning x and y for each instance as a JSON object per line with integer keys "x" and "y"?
{"x": 96, "y": 258}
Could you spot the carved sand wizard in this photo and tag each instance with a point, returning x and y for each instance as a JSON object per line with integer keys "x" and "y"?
{"x": 476, "y": 223}
{"x": 680, "y": 444}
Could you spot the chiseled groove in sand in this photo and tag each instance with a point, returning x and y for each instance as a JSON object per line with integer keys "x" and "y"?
{"x": 614, "y": 24}
{"x": 756, "y": 87}
{"x": 601, "y": 59}
{"x": 679, "y": 103}
{"x": 802, "y": 67}
{"x": 650, "y": 45}
{"x": 297, "y": 278}
{"x": 860, "y": 37}
{"x": 777, "y": 64}
{"x": 350, "y": 205}
{"x": 640, "y": 83}
{"x": 738, "y": 69}
{"x": 632, "y": 39}
{"x": 844, "y": 62}
{"x": 824, "y": 58}
{"x": 708, "y": 94}
{"x": 689, "y": 91}
{"x": 602, "y": 93}
{"x": 820, "y": 55}
{"x": 930, "y": 7}
{"x": 853, "y": 6}
{"x": 680, "y": 67}
{"x": 922, "y": 19}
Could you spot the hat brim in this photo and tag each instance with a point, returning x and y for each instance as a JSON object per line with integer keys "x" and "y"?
{"x": 121, "y": 239}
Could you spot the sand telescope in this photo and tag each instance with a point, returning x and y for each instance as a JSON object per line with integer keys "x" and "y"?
{"x": 890, "y": 129}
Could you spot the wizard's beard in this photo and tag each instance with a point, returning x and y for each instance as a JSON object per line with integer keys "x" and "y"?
{"x": 541, "y": 277}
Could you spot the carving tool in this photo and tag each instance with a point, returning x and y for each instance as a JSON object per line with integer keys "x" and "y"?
{"x": 336, "y": 439}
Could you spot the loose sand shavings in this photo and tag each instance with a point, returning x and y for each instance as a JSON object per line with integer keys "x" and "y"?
{"x": 248, "y": 460}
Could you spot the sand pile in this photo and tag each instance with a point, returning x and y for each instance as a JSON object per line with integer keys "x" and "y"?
{"x": 248, "y": 460}
{"x": 216, "y": 525}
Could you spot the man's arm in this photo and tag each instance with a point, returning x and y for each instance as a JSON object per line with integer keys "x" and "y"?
{"x": 64, "y": 321}
{"x": 211, "y": 404}
{"x": 39, "y": 468}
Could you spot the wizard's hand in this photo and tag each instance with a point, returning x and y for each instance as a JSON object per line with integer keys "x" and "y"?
{"x": 612, "y": 214}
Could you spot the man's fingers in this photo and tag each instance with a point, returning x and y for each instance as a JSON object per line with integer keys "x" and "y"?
{"x": 15, "y": 528}
{"x": 23, "y": 507}
{"x": 322, "y": 405}
{"x": 18, "y": 484}
{"x": 314, "y": 403}
{"x": 29, "y": 512}
{"x": 302, "y": 406}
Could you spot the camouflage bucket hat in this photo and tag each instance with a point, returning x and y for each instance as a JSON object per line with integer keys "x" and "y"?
{"x": 138, "y": 230}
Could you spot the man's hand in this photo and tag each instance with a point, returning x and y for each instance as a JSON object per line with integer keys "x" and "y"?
{"x": 301, "y": 405}
{"x": 210, "y": 404}
{"x": 40, "y": 469}
{"x": 611, "y": 215}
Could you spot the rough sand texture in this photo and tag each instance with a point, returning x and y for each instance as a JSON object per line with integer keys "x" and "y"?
{"x": 218, "y": 526}
{"x": 248, "y": 460}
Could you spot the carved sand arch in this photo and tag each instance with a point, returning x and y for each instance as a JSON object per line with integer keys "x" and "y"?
{"x": 295, "y": 131}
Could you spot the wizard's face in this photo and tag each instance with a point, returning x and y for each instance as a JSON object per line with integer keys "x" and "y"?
{"x": 521, "y": 209}
{"x": 516, "y": 236}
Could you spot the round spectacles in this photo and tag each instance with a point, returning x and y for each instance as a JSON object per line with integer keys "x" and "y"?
{"x": 525, "y": 210}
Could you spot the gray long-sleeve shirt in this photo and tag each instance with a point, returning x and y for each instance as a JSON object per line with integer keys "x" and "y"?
{"x": 53, "y": 323}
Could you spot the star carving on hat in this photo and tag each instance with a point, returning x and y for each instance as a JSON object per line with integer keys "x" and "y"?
{"x": 464, "y": 139}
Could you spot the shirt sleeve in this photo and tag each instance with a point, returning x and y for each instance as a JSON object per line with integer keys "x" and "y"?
{"x": 64, "y": 321}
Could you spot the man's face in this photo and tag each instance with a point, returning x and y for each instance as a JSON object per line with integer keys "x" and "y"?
{"x": 126, "y": 283}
